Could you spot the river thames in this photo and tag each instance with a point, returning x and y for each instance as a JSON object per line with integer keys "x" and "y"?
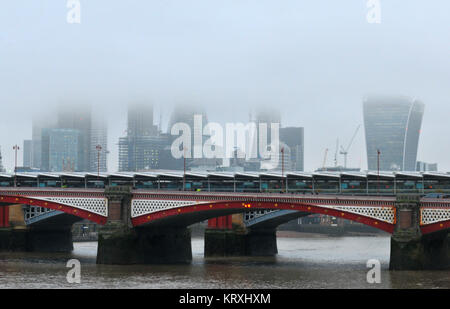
{"x": 302, "y": 263}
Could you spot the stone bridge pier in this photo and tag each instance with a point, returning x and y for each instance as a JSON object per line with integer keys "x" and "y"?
{"x": 50, "y": 236}
{"x": 410, "y": 250}
{"x": 228, "y": 236}
{"x": 121, "y": 243}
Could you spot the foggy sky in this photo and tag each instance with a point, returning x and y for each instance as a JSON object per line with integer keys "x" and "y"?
{"x": 315, "y": 60}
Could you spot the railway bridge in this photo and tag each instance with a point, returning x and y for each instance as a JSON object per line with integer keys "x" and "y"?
{"x": 140, "y": 226}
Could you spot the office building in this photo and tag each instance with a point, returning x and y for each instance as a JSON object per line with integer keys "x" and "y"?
{"x": 142, "y": 148}
{"x": 392, "y": 126}
{"x": 61, "y": 150}
{"x": 78, "y": 116}
{"x": 293, "y": 137}
{"x": 99, "y": 137}
{"x": 426, "y": 167}
{"x": 28, "y": 153}
{"x": 140, "y": 153}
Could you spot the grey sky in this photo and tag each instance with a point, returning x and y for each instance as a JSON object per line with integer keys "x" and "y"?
{"x": 315, "y": 60}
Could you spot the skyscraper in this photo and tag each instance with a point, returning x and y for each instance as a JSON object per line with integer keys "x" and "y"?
{"x": 140, "y": 149}
{"x": 60, "y": 150}
{"x": 392, "y": 126}
{"x": 267, "y": 116}
{"x": 187, "y": 113}
{"x": 140, "y": 120}
{"x": 293, "y": 137}
{"x": 78, "y": 117}
{"x": 27, "y": 153}
{"x": 99, "y": 137}
{"x": 40, "y": 122}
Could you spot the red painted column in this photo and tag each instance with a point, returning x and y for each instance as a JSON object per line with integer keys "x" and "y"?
{"x": 224, "y": 222}
{"x": 4, "y": 216}
{"x": 229, "y": 222}
{"x": 212, "y": 223}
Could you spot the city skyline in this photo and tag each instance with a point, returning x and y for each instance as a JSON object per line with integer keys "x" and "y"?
{"x": 317, "y": 81}
{"x": 113, "y": 163}
{"x": 252, "y": 145}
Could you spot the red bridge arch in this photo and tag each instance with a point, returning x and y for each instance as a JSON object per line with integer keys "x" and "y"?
{"x": 13, "y": 200}
{"x": 237, "y": 207}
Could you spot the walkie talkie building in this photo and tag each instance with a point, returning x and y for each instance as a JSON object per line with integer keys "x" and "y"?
{"x": 392, "y": 125}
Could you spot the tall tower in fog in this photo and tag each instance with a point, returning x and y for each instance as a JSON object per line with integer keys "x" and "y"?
{"x": 78, "y": 117}
{"x": 392, "y": 125}
{"x": 140, "y": 149}
{"x": 140, "y": 120}
{"x": 99, "y": 137}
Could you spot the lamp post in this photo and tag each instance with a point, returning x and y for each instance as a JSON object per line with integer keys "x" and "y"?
{"x": 184, "y": 167}
{"x": 15, "y": 148}
{"x": 282, "y": 169}
{"x": 378, "y": 168}
{"x": 99, "y": 148}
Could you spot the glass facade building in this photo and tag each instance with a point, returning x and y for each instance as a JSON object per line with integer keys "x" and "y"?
{"x": 60, "y": 150}
{"x": 294, "y": 138}
{"x": 392, "y": 126}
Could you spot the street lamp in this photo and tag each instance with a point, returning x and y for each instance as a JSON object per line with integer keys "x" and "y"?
{"x": 378, "y": 168}
{"x": 282, "y": 169}
{"x": 184, "y": 166}
{"x": 15, "y": 148}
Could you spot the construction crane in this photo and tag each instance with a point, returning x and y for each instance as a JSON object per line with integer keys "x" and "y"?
{"x": 336, "y": 153}
{"x": 345, "y": 151}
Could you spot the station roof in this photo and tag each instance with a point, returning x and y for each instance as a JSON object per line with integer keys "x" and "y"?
{"x": 299, "y": 175}
{"x": 435, "y": 175}
{"x": 409, "y": 174}
{"x": 327, "y": 175}
{"x": 165, "y": 174}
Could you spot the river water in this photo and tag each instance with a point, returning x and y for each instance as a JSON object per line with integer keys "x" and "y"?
{"x": 307, "y": 262}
